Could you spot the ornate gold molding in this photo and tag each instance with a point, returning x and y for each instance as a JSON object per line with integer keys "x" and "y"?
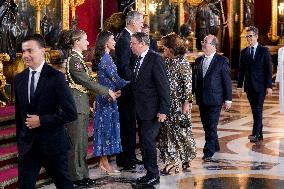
{"x": 38, "y": 4}
{"x": 3, "y": 57}
{"x": 274, "y": 6}
{"x": 74, "y": 4}
{"x": 65, "y": 14}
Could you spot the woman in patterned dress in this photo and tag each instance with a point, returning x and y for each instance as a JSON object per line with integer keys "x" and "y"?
{"x": 176, "y": 139}
{"x": 106, "y": 118}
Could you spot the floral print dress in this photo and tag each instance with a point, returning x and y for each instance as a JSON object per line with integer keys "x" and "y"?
{"x": 177, "y": 143}
{"x": 106, "y": 119}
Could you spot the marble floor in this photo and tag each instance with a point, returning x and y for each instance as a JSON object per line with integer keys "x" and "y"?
{"x": 239, "y": 164}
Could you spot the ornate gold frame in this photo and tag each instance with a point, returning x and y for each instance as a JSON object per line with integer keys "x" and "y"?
{"x": 65, "y": 14}
{"x": 274, "y": 7}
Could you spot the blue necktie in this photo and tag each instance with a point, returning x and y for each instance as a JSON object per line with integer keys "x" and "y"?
{"x": 32, "y": 86}
{"x": 251, "y": 52}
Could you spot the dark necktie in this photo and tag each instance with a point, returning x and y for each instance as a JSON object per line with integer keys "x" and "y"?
{"x": 137, "y": 66}
{"x": 205, "y": 65}
{"x": 251, "y": 52}
{"x": 32, "y": 86}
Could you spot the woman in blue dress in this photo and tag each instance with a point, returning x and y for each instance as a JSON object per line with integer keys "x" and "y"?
{"x": 106, "y": 118}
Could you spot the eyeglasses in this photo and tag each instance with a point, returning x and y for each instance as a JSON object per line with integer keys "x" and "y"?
{"x": 205, "y": 42}
{"x": 249, "y": 36}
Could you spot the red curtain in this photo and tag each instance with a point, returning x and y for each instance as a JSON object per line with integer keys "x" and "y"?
{"x": 262, "y": 16}
{"x": 89, "y": 16}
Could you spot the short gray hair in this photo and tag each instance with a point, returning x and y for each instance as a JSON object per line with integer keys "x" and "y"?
{"x": 132, "y": 15}
{"x": 141, "y": 36}
{"x": 214, "y": 42}
{"x": 253, "y": 29}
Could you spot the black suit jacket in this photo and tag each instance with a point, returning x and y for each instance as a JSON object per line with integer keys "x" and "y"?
{"x": 256, "y": 74}
{"x": 53, "y": 104}
{"x": 151, "y": 88}
{"x": 216, "y": 87}
{"x": 123, "y": 55}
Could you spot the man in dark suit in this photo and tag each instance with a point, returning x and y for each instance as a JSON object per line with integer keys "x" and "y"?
{"x": 255, "y": 72}
{"x": 152, "y": 101}
{"x": 127, "y": 159}
{"x": 43, "y": 105}
{"x": 153, "y": 43}
{"x": 212, "y": 87}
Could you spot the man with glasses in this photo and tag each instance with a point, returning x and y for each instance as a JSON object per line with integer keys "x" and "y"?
{"x": 212, "y": 87}
{"x": 255, "y": 71}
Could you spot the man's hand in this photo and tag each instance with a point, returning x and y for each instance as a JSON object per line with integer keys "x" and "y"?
{"x": 112, "y": 95}
{"x": 161, "y": 117}
{"x": 32, "y": 121}
{"x": 269, "y": 92}
{"x": 239, "y": 92}
{"x": 227, "y": 106}
{"x": 118, "y": 93}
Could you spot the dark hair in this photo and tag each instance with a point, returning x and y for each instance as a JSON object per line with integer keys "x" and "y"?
{"x": 141, "y": 36}
{"x": 253, "y": 29}
{"x": 175, "y": 42}
{"x": 68, "y": 37}
{"x": 35, "y": 37}
{"x": 101, "y": 41}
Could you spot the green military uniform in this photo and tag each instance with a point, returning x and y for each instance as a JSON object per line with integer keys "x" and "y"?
{"x": 80, "y": 83}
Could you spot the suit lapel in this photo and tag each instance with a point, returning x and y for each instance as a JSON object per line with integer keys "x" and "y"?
{"x": 211, "y": 65}
{"x": 41, "y": 81}
{"x": 142, "y": 67}
{"x": 25, "y": 86}
{"x": 257, "y": 52}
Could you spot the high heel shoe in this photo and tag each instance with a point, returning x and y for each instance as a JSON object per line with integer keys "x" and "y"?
{"x": 186, "y": 167}
{"x": 110, "y": 172}
{"x": 170, "y": 169}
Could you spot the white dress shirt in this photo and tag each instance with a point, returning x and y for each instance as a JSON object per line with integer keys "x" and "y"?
{"x": 36, "y": 77}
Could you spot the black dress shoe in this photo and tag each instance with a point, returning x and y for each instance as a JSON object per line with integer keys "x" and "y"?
{"x": 207, "y": 159}
{"x": 80, "y": 184}
{"x": 128, "y": 166}
{"x": 255, "y": 138}
{"x": 141, "y": 179}
{"x": 149, "y": 181}
{"x": 136, "y": 161}
{"x": 90, "y": 182}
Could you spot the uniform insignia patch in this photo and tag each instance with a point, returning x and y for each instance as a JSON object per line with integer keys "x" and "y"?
{"x": 78, "y": 66}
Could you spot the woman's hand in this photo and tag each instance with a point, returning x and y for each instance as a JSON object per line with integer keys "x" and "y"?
{"x": 185, "y": 107}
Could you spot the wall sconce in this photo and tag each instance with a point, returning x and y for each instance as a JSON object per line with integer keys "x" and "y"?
{"x": 153, "y": 7}
{"x": 281, "y": 9}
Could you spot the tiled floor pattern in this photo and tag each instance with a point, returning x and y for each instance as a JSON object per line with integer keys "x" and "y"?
{"x": 239, "y": 165}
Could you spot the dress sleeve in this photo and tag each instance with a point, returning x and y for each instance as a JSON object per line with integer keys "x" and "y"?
{"x": 110, "y": 69}
{"x": 186, "y": 75}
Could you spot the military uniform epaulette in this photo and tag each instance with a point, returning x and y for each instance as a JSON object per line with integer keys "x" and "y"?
{"x": 80, "y": 66}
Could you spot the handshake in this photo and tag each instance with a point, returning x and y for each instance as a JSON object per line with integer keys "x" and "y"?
{"x": 113, "y": 95}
